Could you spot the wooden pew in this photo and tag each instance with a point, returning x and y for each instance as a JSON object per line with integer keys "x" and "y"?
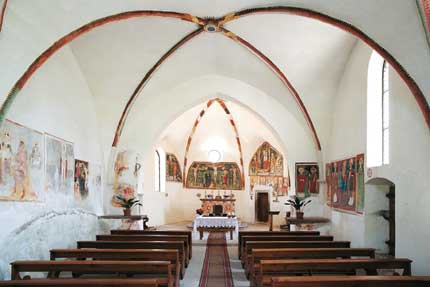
{"x": 123, "y": 254}
{"x": 161, "y": 269}
{"x": 288, "y": 267}
{"x": 351, "y": 281}
{"x": 302, "y": 253}
{"x": 175, "y": 245}
{"x": 83, "y": 282}
{"x": 283, "y": 238}
{"x": 188, "y": 233}
{"x": 295, "y": 233}
{"x": 155, "y": 237}
{"x": 250, "y": 245}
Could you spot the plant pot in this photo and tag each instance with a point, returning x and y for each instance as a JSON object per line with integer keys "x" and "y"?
{"x": 299, "y": 214}
{"x": 127, "y": 211}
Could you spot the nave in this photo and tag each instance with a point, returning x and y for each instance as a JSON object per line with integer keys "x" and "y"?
{"x": 255, "y": 258}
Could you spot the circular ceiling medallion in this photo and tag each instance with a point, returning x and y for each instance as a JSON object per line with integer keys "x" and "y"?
{"x": 214, "y": 156}
{"x": 211, "y": 27}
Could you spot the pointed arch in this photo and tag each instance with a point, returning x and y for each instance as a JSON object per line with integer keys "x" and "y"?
{"x": 233, "y": 125}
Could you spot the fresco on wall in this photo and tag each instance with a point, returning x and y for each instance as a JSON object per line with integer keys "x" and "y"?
{"x": 81, "y": 186}
{"x": 360, "y": 183}
{"x": 126, "y": 173}
{"x": 21, "y": 163}
{"x": 328, "y": 183}
{"x": 173, "y": 169}
{"x": 307, "y": 175}
{"x": 267, "y": 168}
{"x": 347, "y": 184}
{"x": 424, "y": 8}
{"x": 59, "y": 166}
{"x": 208, "y": 175}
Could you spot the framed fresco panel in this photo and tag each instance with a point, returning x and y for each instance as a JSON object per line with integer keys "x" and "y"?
{"x": 307, "y": 176}
{"x": 21, "y": 163}
{"x": 173, "y": 169}
{"x": 344, "y": 179}
{"x": 81, "y": 182}
{"x": 328, "y": 183}
{"x": 267, "y": 161}
{"x": 59, "y": 166}
{"x": 208, "y": 175}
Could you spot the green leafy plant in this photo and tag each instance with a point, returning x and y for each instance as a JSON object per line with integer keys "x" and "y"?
{"x": 128, "y": 203}
{"x": 298, "y": 202}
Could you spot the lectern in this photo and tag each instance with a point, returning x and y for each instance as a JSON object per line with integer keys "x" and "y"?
{"x": 271, "y": 213}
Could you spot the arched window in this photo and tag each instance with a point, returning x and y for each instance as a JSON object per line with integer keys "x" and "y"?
{"x": 160, "y": 170}
{"x": 378, "y": 112}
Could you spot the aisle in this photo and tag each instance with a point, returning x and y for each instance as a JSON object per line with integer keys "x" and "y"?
{"x": 216, "y": 270}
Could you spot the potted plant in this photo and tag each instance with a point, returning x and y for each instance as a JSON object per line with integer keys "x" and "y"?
{"x": 127, "y": 204}
{"x": 298, "y": 202}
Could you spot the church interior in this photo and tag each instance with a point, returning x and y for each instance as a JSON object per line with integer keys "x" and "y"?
{"x": 215, "y": 143}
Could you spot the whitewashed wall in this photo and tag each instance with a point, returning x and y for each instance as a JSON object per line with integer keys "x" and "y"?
{"x": 56, "y": 101}
{"x": 409, "y": 157}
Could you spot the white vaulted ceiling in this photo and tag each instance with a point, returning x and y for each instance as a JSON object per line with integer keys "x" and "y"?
{"x": 115, "y": 57}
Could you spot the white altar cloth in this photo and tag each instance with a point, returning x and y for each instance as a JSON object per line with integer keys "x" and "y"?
{"x": 216, "y": 221}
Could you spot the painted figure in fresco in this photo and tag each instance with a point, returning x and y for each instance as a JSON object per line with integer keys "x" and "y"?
{"x": 350, "y": 181}
{"x": 360, "y": 184}
{"x": 302, "y": 181}
{"x": 328, "y": 182}
{"x": 334, "y": 183}
{"x": 36, "y": 157}
{"x": 6, "y": 155}
{"x": 266, "y": 159}
{"x": 253, "y": 166}
{"x": 313, "y": 180}
{"x": 224, "y": 177}
{"x": 22, "y": 189}
{"x": 342, "y": 177}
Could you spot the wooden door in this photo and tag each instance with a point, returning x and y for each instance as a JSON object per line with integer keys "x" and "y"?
{"x": 262, "y": 206}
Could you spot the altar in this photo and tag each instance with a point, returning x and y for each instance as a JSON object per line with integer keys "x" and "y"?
{"x": 216, "y": 223}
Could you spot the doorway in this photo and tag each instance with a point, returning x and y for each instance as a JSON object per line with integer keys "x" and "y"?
{"x": 262, "y": 207}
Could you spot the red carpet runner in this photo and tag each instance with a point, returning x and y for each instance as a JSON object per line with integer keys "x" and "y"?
{"x": 216, "y": 271}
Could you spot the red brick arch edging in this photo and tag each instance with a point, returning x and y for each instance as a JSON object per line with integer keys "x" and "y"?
{"x": 410, "y": 82}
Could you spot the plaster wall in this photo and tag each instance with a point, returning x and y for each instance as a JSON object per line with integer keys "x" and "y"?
{"x": 56, "y": 101}
{"x": 408, "y": 168}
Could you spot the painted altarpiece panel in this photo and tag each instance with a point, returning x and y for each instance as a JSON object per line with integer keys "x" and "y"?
{"x": 82, "y": 175}
{"x": 173, "y": 169}
{"x": 21, "y": 163}
{"x": 59, "y": 166}
{"x": 307, "y": 176}
{"x": 208, "y": 175}
{"x": 267, "y": 168}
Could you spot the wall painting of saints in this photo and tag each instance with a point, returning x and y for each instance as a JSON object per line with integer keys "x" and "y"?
{"x": 173, "y": 169}
{"x": 59, "y": 165}
{"x": 207, "y": 175}
{"x": 267, "y": 168}
{"x": 307, "y": 176}
{"x": 344, "y": 184}
{"x": 81, "y": 180}
{"x": 21, "y": 163}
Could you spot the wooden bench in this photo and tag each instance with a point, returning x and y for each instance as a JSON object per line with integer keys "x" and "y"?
{"x": 288, "y": 267}
{"x": 283, "y": 238}
{"x": 161, "y": 269}
{"x": 123, "y": 254}
{"x": 83, "y": 282}
{"x": 175, "y": 245}
{"x": 188, "y": 233}
{"x": 155, "y": 237}
{"x": 295, "y": 233}
{"x": 351, "y": 281}
{"x": 302, "y": 253}
{"x": 250, "y": 245}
